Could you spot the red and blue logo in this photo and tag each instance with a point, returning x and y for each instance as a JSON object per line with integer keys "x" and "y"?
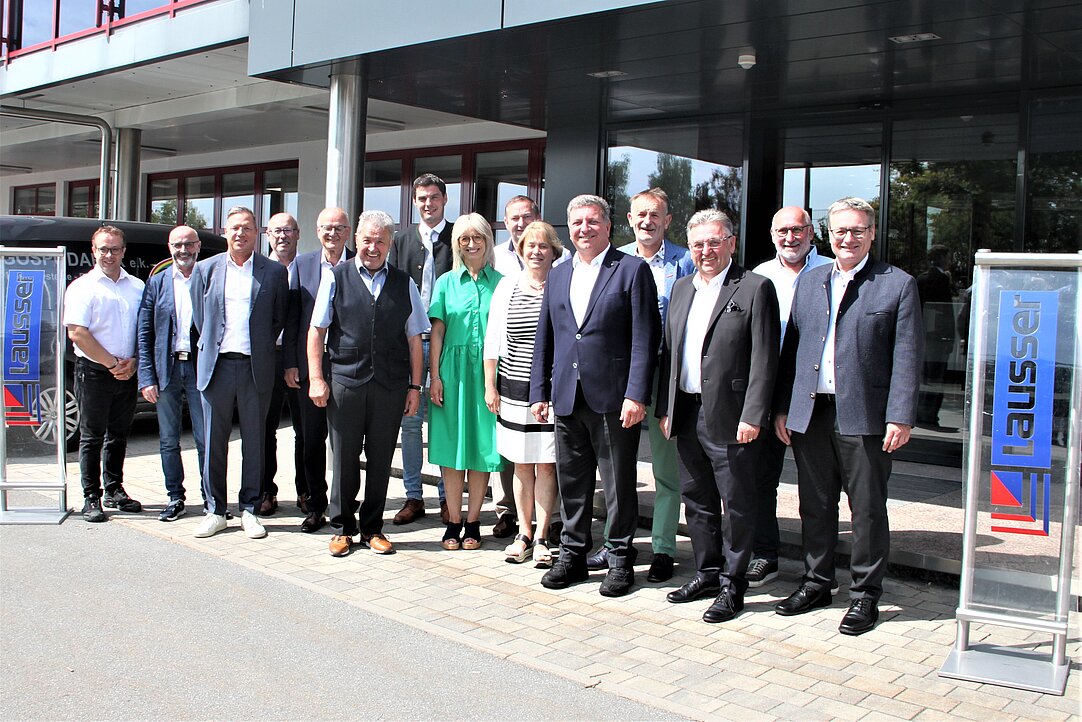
{"x": 22, "y": 347}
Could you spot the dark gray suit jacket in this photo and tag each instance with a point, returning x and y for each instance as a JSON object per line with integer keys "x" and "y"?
{"x": 270, "y": 304}
{"x": 408, "y": 253}
{"x": 156, "y": 331}
{"x": 308, "y": 272}
{"x": 740, "y": 354}
{"x": 878, "y": 349}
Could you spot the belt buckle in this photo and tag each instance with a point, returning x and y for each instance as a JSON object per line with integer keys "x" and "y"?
{"x": 182, "y": 355}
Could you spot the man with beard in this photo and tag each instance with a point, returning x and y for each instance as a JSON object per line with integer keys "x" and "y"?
{"x": 167, "y": 361}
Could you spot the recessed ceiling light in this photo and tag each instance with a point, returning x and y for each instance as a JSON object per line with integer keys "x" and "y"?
{"x": 607, "y": 74}
{"x": 914, "y": 38}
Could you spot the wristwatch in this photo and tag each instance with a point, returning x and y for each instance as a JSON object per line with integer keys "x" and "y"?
{"x": 414, "y": 387}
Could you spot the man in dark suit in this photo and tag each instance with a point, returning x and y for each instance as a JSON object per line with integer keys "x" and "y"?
{"x": 370, "y": 316}
{"x": 593, "y": 364}
{"x": 283, "y": 233}
{"x": 239, "y": 304}
{"x": 936, "y": 306}
{"x": 717, "y": 380}
{"x": 424, "y": 252}
{"x": 332, "y": 227}
{"x": 166, "y": 346}
{"x": 849, "y": 377}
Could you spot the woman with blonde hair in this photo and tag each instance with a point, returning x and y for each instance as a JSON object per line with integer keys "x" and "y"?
{"x": 462, "y": 431}
{"x": 521, "y": 439}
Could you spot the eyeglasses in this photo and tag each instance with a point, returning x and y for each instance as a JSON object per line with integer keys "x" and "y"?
{"x": 795, "y": 230}
{"x": 183, "y": 245}
{"x": 471, "y": 240}
{"x": 857, "y": 231}
{"x": 712, "y": 243}
{"x": 281, "y": 231}
{"x": 110, "y": 250}
{"x": 332, "y": 229}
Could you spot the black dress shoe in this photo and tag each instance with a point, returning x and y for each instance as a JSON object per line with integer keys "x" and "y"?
{"x": 862, "y": 615}
{"x": 313, "y": 522}
{"x": 598, "y": 560}
{"x": 617, "y": 582}
{"x": 803, "y": 600}
{"x": 697, "y": 588}
{"x": 660, "y": 568}
{"x": 727, "y": 605}
{"x": 563, "y": 574}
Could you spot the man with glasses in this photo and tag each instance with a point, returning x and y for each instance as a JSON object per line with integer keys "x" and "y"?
{"x": 100, "y": 312}
{"x": 332, "y": 228}
{"x": 167, "y": 346}
{"x": 846, "y": 400}
{"x": 717, "y": 378}
{"x": 791, "y": 233}
{"x": 283, "y": 233}
{"x": 239, "y": 303}
{"x": 424, "y": 252}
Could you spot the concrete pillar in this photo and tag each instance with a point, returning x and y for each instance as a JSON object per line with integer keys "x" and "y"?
{"x": 126, "y": 190}
{"x": 346, "y": 138}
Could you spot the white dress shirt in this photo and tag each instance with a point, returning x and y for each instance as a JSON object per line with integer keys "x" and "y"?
{"x": 107, "y": 308}
{"x": 238, "y": 306}
{"x": 785, "y": 280}
{"x": 839, "y": 280}
{"x": 583, "y": 277}
{"x": 429, "y": 237}
{"x": 656, "y": 263}
{"x": 182, "y": 305}
{"x": 702, "y": 307}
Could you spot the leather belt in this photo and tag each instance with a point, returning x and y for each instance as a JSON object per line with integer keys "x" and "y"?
{"x": 697, "y": 398}
{"x": 234, "y": 356}
{"x": 826, "y": 398}
{"x": 426, "y": 337}
{"x": 182, "y": 355}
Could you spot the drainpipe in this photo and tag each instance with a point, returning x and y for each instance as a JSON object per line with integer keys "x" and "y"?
{"x": 106, "y": 142}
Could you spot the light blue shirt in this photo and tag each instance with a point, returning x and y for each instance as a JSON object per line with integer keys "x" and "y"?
{"x": 323, "y": 310}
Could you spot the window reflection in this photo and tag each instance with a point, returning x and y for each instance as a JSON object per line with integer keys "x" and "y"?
{"x": 383, "y": 187}
{"x": 163, "y": 201}
{"x": 449, "y": 168}
{"x": 75, "y": 15}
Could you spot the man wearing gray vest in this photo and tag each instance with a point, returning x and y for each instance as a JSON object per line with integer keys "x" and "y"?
{"x": 370, "y": 317}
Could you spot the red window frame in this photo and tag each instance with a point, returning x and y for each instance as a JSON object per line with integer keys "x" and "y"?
{"x": 36, "y": 187}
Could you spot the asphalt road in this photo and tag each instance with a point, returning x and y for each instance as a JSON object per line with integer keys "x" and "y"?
{"x": 104, "y": 622}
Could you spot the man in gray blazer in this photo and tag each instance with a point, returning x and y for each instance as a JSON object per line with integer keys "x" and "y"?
{"x": 166, "y": 346}
{"x": 849, "y": 377}
{"x": 239, "y": 303}
{"x": 716, "y": 382}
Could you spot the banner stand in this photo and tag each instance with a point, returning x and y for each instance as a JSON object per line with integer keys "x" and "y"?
{"x": 32, "y": 375}
{"x": 1022, "y": 467}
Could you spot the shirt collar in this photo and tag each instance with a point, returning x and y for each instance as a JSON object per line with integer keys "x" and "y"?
{"x": 177, "y": 274}
{"x": 247, "y": 265}
{"x": 365, "y": 271}
{"x": 100, "y": 274}
{"x": 808, "y": 259}
{"x": 849, "y": 275}
{"x": 576, "y": 260}
{"x": 438, "y": 228}
{"x": 714, "y": 282}
{"x": 485, "y": 272}
{"x": 658, "y": 257}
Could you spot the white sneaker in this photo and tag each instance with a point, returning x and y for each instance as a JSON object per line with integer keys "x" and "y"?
{"x": 251, "y": 525}
{"x": 211, "y": 525}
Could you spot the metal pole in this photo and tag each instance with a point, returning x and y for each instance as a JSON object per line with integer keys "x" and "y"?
{"x": 106, "y": 142}
{"x": 126, "y": 193}
{"x": 346, "y": 137}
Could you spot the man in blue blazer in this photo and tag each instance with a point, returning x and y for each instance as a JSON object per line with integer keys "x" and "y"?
{"x": 166, "y": 345}
{"x": 849, "y": 376}
{"x": 333, "y": 229}
{"x": 597, "y": 347}
{"x": 239, "y": 303}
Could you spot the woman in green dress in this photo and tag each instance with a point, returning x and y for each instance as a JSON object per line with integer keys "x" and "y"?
{"x": 462, "y": 431}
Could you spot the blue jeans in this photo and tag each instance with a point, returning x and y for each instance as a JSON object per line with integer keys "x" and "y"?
{"x": 181, "y": 381}
{"x": 413, "y": 442}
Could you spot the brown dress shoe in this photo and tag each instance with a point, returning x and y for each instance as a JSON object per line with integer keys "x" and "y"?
{"x": 267, "y": 506}
{"x": 378, "y": 543}
{"x": 302, "y": 503}
{"x": 340, "y": 545}
{"x": 412, "y": 510}
{"x": 444, "y": 516}
{"x": 506, "y": 526}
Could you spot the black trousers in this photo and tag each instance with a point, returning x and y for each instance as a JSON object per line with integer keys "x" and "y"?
{"x": 770, "y": 463}
{"x": 106, "y": 408}
{"x": 713, "y": 475}
{"x": 282, "y": 394}
{"x": 585, "y": 442}
{"x": 231, "y": 385}
{"x": 366, "y": 418}
{"x": 313, "y": 423}
{"x": 828, "y": 462}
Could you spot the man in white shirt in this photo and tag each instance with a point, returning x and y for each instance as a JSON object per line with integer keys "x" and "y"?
{"x": 239, "y": 303}
{"x": 100, "y": 313}
{"x": 167, "y": 362}
{"x": 791, "y": 232}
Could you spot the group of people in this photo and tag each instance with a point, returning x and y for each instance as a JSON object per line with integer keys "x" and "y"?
{"x": 531, "y": 360}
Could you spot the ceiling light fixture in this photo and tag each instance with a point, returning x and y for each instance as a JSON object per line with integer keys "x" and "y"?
{"x": 914, "y": 38}
{"x": 603, "y": 74}
{"x": 8, "y": 168}
{"x": 746, "y": 61}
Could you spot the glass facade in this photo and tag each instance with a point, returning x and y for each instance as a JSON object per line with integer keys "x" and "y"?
{"x": 35, "y": 200}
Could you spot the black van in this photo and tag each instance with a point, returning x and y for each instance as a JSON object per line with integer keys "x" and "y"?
{"x": 146, "y": 253}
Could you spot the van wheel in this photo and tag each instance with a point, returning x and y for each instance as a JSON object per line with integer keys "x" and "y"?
{"x": 50, "y": 412}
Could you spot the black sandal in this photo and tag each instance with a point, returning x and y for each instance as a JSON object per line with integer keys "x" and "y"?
{"x": 451, "y": 537}
{"x": 472, "y": 535}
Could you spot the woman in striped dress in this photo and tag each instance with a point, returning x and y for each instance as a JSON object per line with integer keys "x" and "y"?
{"x": 509, "y": 343}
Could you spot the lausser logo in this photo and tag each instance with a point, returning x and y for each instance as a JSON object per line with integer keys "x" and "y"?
{"x": 22, "y": 346}
{"x": 1025, "y": 366}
